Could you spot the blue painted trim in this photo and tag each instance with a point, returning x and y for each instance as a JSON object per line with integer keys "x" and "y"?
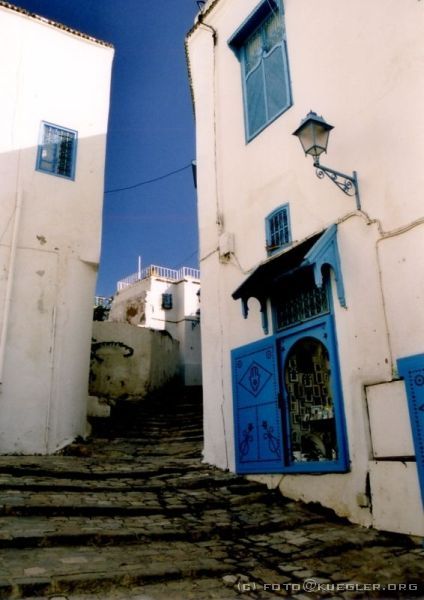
{"x": 268, "y": 218}
{"x": 326, "y": 252}
{"x": 41, "y": 145}
{"x": 411, "y": 369}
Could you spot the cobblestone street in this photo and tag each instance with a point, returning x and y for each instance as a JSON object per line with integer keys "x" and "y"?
{"x": 134, "y": 514}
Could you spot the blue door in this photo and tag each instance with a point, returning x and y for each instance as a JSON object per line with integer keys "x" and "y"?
{"x": 257, "y": 418}
{"x": 314, "y": 427}
{"x": 411, "y": 368}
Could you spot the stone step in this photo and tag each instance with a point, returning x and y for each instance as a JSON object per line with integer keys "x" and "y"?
{"x": 45, "y": 571}
{"x": 148, "y": 438}
{"x": 170, "y": 501}
{"x": 190, "y": 480}
{"x": 68, "y": 467}
{"x": 43, "y": 531}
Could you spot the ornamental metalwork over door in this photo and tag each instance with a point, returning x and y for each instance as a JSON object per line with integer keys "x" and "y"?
{"x": 257, "y": 419}
{"x": 313, "y": 413}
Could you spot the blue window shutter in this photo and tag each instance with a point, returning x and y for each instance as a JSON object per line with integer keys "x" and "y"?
{"x": 275, "y": 81}
{"x": 257, "y": 418}
{"x": 255, "y": 100}
{"x": 411, "y": 368}
{"x": 260, "y": 45}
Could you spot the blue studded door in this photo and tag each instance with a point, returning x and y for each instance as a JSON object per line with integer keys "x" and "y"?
{"x": 411, "y": 368}
{"x": 257, "y": 419}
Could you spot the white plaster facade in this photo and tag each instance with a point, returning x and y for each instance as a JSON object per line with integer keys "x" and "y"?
{"x": 50, "y": 228}
{"x": 139, "y": 301}
{"x": 359, "y": 64}
{"x": 129, "y": 362}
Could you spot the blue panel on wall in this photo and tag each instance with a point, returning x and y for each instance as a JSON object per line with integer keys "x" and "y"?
{"x": 257, "y": 419}
{"x": 411, "y": 368}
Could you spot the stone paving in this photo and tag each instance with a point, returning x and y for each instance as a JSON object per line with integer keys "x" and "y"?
{"x": 133, "y": 514}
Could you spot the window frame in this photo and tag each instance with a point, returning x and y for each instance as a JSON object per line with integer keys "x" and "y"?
{"x": 167, "y": 301}
{"x": 237, "y": 43}
{"x": 284, "y": 208}
{"x": 42, "y": 144}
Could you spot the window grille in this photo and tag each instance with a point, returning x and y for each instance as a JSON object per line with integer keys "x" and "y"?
{"x": 300, "y": 300}
{"x": 278, "y": 229}
{"x": 57, "y": 151}
{"x": 262, "y": 51}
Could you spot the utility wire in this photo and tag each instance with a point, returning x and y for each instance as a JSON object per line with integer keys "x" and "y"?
{"x": 136, "y": 185}
{"x": 181, "y": 264}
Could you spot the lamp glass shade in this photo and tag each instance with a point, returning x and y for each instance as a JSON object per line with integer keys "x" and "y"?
{"x": 313, "y": 134}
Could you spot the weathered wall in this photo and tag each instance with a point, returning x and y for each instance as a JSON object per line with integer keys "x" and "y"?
{"x": 54, "y": 224}
{"x": 141, "y": 304}
{"x": 130, "y": 361}
{"x": 358, "y": 64}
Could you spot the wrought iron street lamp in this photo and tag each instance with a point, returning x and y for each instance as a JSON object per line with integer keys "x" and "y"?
{"x": 313, "y": 133}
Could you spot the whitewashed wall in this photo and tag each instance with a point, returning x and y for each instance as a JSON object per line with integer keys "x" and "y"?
{"x": 48, "y": 74}
{"x": 141, "y": 304}
{"x": 130, "y": 361}
{"x": 359, "y": 64}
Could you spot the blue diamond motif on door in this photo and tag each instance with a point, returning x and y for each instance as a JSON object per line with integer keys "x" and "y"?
{"x": 255, "y": 378}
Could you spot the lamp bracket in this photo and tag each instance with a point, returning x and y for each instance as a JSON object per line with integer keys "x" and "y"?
{"x": 347, "y": 183}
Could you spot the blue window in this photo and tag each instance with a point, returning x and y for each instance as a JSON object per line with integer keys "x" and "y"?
{"x": 57, "y": 150}
{"x": 260, "y": 44}
{"x": 278, "y": 229}
{"x": 167, "y": 301}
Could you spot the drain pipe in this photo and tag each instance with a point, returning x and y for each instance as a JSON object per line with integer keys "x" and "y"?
{"x": 9, "y": 285}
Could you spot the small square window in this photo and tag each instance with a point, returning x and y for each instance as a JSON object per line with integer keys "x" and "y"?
{"x": 278, "y": 232}
{"x": 57, "y": 151}
{"x": 260, "y": 44}
{"x": 167, "y": 301}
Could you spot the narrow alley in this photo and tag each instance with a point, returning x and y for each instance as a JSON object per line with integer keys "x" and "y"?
{"x": 134, "y": 514}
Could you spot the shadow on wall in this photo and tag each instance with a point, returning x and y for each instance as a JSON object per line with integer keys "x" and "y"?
{"x": 50, "y": 233}
{"x": 128, "y": 362}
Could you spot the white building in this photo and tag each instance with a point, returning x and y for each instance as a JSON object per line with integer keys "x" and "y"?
{"x": 319, "y": 391}
{"x": 54, "y": 109}
{"x": 165, "y": 299}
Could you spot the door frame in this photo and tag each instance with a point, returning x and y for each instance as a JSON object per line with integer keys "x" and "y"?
{"x": 285, "y": 340}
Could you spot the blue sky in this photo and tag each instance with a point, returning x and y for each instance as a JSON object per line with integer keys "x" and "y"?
{"x": 151, "y": 130}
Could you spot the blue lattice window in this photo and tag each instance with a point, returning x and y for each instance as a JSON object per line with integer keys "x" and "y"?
{"x": 260, "y": 44}
{"x": 278, "y": 229}
{"x": 57, "y": 151}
